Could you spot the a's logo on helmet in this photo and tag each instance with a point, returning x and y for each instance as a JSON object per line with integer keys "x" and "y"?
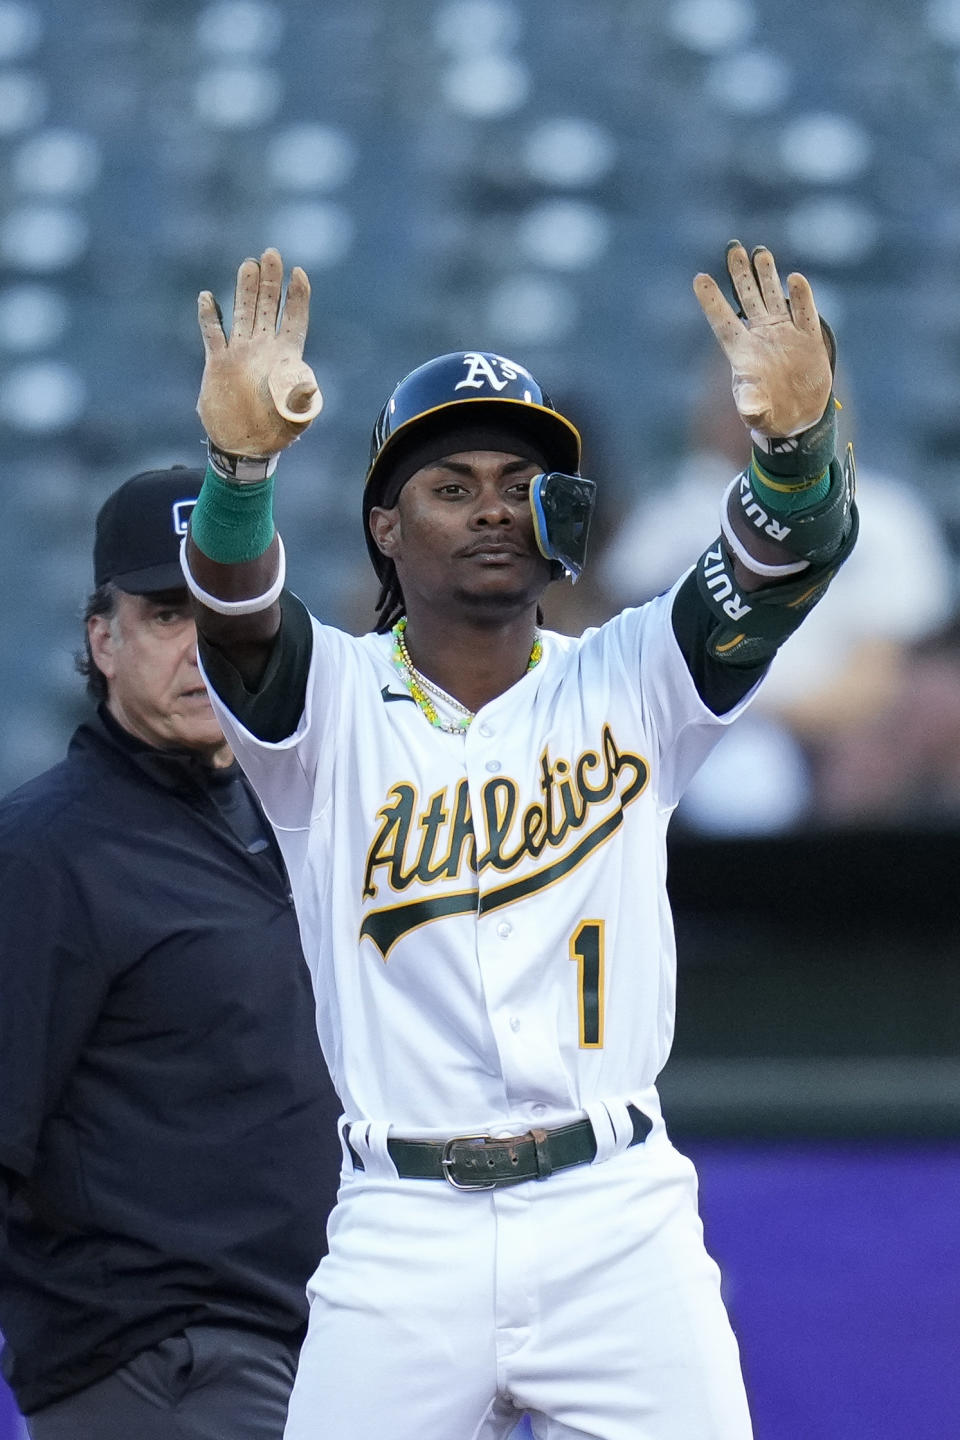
{"x": 480, "y": 372}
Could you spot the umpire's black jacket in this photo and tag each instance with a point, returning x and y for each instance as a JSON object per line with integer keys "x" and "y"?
{"x": 168, "y": 1145}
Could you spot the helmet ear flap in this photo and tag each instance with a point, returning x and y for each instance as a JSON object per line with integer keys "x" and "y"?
{"x": 562, "y": 508}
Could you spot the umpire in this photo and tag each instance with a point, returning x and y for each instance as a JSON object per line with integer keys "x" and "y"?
{"x": 168, "y": 1144}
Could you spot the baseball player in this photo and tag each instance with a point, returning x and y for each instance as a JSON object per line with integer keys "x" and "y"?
{"x": 473, "y": 813}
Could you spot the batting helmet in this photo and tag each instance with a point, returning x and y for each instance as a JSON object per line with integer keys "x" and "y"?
{"x": 469, "y": 399}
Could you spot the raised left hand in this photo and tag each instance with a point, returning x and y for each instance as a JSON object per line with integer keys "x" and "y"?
{"x": 782, "y": 375}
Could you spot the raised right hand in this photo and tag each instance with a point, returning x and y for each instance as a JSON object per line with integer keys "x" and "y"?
{"x": 257, "y": 394}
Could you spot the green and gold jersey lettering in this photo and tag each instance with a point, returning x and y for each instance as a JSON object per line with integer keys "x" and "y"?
{"x": 438, "y": 842}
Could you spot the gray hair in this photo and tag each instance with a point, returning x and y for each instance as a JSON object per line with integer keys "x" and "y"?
{"x": 102, "y": 601}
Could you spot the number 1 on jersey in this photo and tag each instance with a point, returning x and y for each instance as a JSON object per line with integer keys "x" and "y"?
{"x": 586, "y": 947}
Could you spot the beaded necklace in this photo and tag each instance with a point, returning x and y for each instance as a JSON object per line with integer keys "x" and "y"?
{"x": 421, "y": 688}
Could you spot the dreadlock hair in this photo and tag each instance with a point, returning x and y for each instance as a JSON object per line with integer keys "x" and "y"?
{"x": 390, "y": 601}
{"x": 102, "y": 601}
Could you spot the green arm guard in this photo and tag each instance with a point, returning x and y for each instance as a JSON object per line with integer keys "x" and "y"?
{"x": 752, "y": 626}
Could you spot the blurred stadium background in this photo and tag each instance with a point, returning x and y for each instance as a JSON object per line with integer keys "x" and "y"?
{"x": 544, "y": 179}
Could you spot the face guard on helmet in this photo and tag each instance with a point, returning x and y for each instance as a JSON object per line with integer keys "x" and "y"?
{"x": 562, "y": 506}
{"x": 472, "y": 399}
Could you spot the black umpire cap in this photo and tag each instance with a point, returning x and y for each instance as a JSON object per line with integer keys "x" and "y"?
{"x": 140, "y": 528}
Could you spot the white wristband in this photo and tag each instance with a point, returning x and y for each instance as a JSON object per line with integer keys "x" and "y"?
{"x": 236, "y": 607}
{"x": 736, "y": 545}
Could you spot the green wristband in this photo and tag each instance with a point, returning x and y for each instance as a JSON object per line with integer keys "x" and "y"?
{"x": 232, "y": 523}
{"x": 783, "y": 498}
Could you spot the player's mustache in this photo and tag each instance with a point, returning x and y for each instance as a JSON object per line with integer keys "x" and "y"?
{"x": 490, "y": 543}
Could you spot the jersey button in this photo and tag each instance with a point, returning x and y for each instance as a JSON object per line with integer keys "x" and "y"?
{"x": 504, "y": 929}
{"x": 514, "y": 1023}
{"x": 539, "y": 1109}
{"x": 493, "y": 766}
{"x": 486, "y": 730}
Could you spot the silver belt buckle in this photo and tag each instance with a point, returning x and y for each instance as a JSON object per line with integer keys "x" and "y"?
{"x": 447, "y": 1163}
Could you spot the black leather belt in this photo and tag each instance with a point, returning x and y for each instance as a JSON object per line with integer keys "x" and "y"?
{"x": 480, "y": 1162}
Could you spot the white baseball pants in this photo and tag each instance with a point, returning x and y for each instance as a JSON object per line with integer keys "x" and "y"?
{"x": 587, "y": 1298}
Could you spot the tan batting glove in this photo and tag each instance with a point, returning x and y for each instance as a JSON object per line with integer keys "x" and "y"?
{"x": 781, "y": 365}
{"x": 257, "y": 394}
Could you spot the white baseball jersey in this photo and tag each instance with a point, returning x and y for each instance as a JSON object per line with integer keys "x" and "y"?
{"x": 485, "y": 915}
